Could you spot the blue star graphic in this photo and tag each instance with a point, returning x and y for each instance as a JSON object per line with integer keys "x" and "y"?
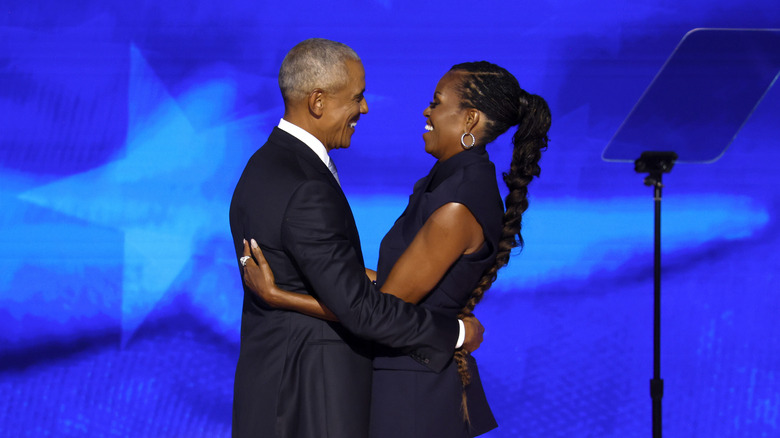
{"x": 165, "y": 193}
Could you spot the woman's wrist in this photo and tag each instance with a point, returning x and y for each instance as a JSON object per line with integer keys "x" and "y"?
{"x": 274, "y": 297}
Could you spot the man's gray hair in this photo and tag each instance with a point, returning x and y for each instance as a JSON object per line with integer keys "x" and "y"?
{"x": 314, "y": 63}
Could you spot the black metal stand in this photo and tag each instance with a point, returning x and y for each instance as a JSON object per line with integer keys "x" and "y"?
{"x": 678, "y": 111}
{"x": 656, "y": 164}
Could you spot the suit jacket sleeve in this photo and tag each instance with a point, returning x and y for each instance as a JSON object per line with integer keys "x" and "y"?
{"x": 315, "y": 235}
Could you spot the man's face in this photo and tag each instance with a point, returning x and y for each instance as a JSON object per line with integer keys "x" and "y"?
{"x": 342, "y": 108}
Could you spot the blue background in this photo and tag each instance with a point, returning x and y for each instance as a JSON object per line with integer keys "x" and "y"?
{"x": 124, "y": 127}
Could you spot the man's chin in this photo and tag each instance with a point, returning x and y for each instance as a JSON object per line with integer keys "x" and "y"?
{"x": 345, "y": 144}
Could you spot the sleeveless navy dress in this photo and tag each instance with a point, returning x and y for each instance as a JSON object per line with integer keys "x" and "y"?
{"x": 408, "y": 399}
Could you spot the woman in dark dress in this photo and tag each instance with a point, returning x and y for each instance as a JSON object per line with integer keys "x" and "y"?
{"x": 444, "y": 251}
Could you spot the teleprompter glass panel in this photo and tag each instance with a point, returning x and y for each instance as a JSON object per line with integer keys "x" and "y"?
{"x": 702, "y": 96}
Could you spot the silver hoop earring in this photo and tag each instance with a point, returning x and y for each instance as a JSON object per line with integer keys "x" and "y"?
{"x": 463, "y": 143}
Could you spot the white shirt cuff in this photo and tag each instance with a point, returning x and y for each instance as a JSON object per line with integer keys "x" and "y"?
{"x": 461, "y": 334}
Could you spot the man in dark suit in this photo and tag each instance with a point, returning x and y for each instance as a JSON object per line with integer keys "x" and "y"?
{"x": 299, "y": 376}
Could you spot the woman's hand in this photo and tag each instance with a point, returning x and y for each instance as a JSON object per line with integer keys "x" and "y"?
{"x": 260, "y": 279}
{"x": 474, "y": 332}
{"x": 258, "y": 275}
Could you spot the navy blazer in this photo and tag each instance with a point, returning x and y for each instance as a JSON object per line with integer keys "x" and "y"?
{"x": 299, "y": 376}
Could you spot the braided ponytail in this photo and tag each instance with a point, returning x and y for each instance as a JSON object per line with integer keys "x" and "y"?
{"x": 495, "y": 92}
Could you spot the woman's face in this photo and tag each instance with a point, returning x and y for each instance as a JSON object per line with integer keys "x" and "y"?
{"x": 446, "y": 120}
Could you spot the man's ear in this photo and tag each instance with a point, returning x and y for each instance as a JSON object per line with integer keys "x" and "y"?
{"x": 316, "y": 102}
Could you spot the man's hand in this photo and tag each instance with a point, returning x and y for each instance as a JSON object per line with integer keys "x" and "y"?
{"x": 474, "y": 331}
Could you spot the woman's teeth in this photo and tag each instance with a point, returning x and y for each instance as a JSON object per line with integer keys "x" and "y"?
{"x": 428, "y": 128}
{"x": 353, "y": 124}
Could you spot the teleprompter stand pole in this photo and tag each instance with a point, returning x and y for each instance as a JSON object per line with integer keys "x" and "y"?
{"x": 656, "y": 164}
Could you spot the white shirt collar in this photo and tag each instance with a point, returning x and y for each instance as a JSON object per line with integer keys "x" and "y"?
{"x": 309, "y": 140}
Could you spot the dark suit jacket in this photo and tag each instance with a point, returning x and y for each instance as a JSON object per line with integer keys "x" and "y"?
{"x": 299, "y": 376}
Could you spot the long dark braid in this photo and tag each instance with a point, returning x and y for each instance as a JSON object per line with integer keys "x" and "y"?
{"x": 496, "y": 93}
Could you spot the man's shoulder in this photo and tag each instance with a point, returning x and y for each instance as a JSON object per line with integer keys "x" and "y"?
{"x": 275, "y": 157}
{"x": 283, "y": 151}
{"x": 280, "y": 172}
{"x": 279, "y": 145}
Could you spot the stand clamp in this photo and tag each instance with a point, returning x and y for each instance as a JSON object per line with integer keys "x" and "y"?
{"x": 655, "y": 163}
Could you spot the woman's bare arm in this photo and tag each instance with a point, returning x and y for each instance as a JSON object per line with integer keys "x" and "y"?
{"x": 447, "y": 234}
